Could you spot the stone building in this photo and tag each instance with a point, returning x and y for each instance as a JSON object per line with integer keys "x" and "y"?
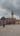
{"x": 18, "y": 21}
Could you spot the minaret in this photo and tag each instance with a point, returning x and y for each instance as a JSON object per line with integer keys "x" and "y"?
{"x": 12, "y": 14}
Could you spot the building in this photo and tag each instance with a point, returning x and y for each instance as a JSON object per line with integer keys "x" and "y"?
{"x": 9, "y": 21}
{"x": 18, "y": 21}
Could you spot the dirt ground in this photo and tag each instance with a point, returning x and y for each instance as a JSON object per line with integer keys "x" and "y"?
{"x": 10, "y": 30}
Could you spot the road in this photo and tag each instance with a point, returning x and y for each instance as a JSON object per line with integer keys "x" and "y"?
{"x": 10, "y": 30}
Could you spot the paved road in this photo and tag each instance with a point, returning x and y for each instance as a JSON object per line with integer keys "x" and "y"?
{"x": 10, "y": 30}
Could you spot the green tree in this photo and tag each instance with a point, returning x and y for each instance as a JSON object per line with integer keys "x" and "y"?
{"x": 3, "y": 18}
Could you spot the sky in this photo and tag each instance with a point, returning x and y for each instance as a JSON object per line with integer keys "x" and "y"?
{"x": 6, "y": 7}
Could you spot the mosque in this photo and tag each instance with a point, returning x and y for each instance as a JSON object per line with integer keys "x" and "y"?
{"x": 9, "y": 21}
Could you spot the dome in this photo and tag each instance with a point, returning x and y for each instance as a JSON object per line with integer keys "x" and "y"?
{"x": 14, "y": 16}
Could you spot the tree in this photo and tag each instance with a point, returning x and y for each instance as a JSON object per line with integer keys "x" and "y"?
{"x": 3, "y": 18}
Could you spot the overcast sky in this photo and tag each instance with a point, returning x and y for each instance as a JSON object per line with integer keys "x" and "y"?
{"x": 7, "y": 5}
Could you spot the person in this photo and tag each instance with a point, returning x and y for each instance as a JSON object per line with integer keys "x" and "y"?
{"x": 3, "y": 25}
